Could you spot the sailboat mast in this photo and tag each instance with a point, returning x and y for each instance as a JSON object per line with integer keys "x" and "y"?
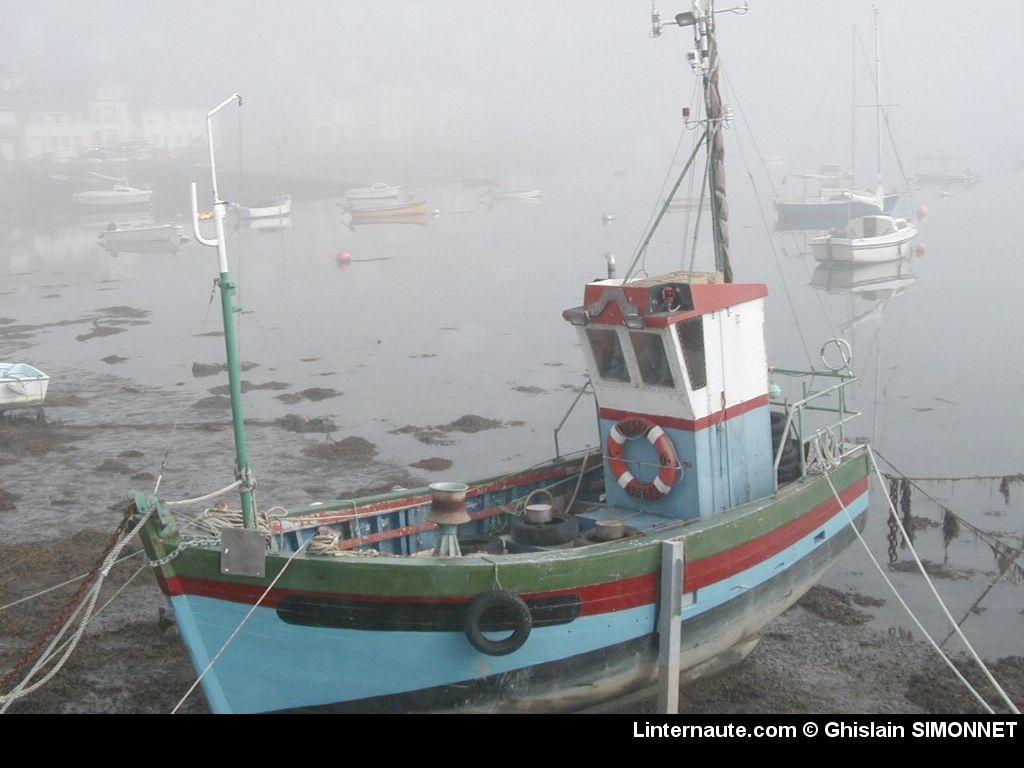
{"x": 227, "y": 299}
{"x": 878, "y": 96}
{"x": 708, "y": 48}
{"x": 853, "y": 108}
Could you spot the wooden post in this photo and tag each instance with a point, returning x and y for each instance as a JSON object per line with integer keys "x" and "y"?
{"x": 670, "y": 625}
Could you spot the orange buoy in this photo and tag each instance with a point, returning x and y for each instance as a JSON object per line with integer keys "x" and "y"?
{"x": 919, "y": 249}
{"x": 921, "y": 212}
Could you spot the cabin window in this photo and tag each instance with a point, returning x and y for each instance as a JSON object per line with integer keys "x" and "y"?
{"x": 611, "y": 364}
{"x": 651, "y": 357}
{"x": 691, "y": 339}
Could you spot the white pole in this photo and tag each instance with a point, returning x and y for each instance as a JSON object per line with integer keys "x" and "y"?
{"x": 670, "y": 625}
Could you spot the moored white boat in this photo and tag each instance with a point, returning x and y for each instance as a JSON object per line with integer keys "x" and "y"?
{"x": 515, "y": 194}
{"x": 276, "y": 208}
{"x": 866, "y": 240}
{"x": 21, "y": 385}
{"x": 120, "y": 195}
{"x": 144, "y": 233}
{"x": 377, "y": 191}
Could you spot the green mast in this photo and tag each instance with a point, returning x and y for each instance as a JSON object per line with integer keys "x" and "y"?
{"x": 243, "y": 473}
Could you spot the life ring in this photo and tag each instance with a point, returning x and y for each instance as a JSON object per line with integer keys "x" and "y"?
{"x": 637, "y": 426}
{"x": 511, "y": 607}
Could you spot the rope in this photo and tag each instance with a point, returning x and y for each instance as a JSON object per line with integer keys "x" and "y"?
{"x": 238, "y": 629}
{"x": 181, "y": 411}
{"x": 903, "y": 602}
{"x": 46, "y": 591}
{"x": 207, "y": 497}
{"x": 931, "y": 585}
{"x": 91, "y": 595}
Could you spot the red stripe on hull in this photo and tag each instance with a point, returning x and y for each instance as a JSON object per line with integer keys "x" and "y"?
{"x": 594, "y": 598}
{"x": 691, "y": 425}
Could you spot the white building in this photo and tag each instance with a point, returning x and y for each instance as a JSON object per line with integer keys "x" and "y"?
{"x": 171, "y": 129}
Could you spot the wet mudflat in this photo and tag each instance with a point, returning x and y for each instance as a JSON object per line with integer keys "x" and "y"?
{"x": 340, "y": 403}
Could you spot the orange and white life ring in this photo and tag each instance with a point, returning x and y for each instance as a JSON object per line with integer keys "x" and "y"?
{"x": 637, "y": 426}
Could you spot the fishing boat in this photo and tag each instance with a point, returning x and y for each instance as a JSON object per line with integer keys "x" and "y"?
{"x": 275, "y": 208}
{"x": 120, "y": 195}
{"x": 21, "y": 386}
{"x": 542, "y": 589}
{"x": 869, "y": 239}
{"x": 377, "y": 191}
{"x": 143, "y": 233}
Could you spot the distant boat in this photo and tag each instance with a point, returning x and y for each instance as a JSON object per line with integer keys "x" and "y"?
{"x": 267, "y": 224}
{"x": 120, "y": 195}
{"x": 967, "y": 177}
{"x": 417, "y": 219}
{"x": 518, "y": 194}
{"x": 21, "y": 385}
{"x": 266, "y": 209}
{"x": 833, "y": 207}
{"x": 866, "y": 240}
{"x": 144, "y": 233}
{"x": 378, "y": 191}
{"x": 386, "y": 210}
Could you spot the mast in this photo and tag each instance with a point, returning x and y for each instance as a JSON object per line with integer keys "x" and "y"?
{"x": 227, "y": 301}
{"x": 878, "y": 97}
{"x": 853, "y": 107}
{"x": 704, "y": 35}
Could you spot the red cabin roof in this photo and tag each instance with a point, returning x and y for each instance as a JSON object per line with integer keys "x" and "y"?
{"x": 659, "y": 301}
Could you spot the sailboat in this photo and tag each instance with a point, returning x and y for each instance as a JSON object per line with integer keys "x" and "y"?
{"x": 873, "y": 238}
{"x": 548, "y": 588}
{"x": 835, "y": 205}
{"x": 120, "y": 195}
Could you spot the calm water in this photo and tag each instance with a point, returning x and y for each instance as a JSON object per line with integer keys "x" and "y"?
{"x": 431, "y": 322}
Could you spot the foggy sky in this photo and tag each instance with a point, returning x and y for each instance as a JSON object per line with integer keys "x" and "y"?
{"x": 579, "y": 74}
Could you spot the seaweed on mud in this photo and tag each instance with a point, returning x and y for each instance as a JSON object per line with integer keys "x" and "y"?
{"x": 98, "y": 331}
{"x": 200, "y": 370}
{"x": 314, "y": 394}
{"x": 433, "y": 464}
{"x": 213, "y": 402}
{"x": 438, "y": 434}
{"x": 248, "y": 386}
{"x": 293, "y": 422}
{"x": 833, "y": 605}
{"x": 113, "y": 359}
{"x": 352, "y": 450}
{"x": 7, "y": 500}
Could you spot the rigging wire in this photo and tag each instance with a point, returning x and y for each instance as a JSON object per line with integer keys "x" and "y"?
{"x": 773, "y": 188}
{"x": 775, "y": 255}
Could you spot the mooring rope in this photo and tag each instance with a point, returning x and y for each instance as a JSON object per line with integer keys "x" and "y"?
{"x": 903, "y": 602}
{"x": 935, "y": 592}
{"x": 238, "y": 629}
{"x": 88, "y": 601}
{"x": 50, "y": 589}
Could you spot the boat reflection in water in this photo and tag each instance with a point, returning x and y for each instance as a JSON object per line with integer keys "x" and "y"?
{"x": 267, "y": 225}
{"x": 874, "y": 282}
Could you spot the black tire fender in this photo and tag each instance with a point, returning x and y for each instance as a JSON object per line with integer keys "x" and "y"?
{"x": 511, "y": 605}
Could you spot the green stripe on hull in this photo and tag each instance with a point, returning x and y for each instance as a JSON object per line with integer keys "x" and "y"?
{"x": 413, "y": 577}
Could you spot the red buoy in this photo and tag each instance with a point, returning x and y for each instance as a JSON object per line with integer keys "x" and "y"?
{"x": 921, "y": 212}
{"x": 344, "y": 256}
{"x": 919, "y": 249}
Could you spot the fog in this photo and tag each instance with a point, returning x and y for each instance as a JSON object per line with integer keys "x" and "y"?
{"x": 495, "y": 84}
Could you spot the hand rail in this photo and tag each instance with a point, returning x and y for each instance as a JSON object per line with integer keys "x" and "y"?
{"x": 795, "y": 412}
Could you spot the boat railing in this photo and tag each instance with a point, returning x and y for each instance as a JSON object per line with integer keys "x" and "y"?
{"x": 579, "y": 396}
{"x": 822, "y": 445}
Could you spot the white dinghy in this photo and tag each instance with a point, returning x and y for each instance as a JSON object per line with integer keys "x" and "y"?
{"x": 21, "y": 386}
{"x": 268, "y": 209}
{"x": 144, "y": 233}
{"x": 378, "y": 191}
{"x": 867, "y": 240}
